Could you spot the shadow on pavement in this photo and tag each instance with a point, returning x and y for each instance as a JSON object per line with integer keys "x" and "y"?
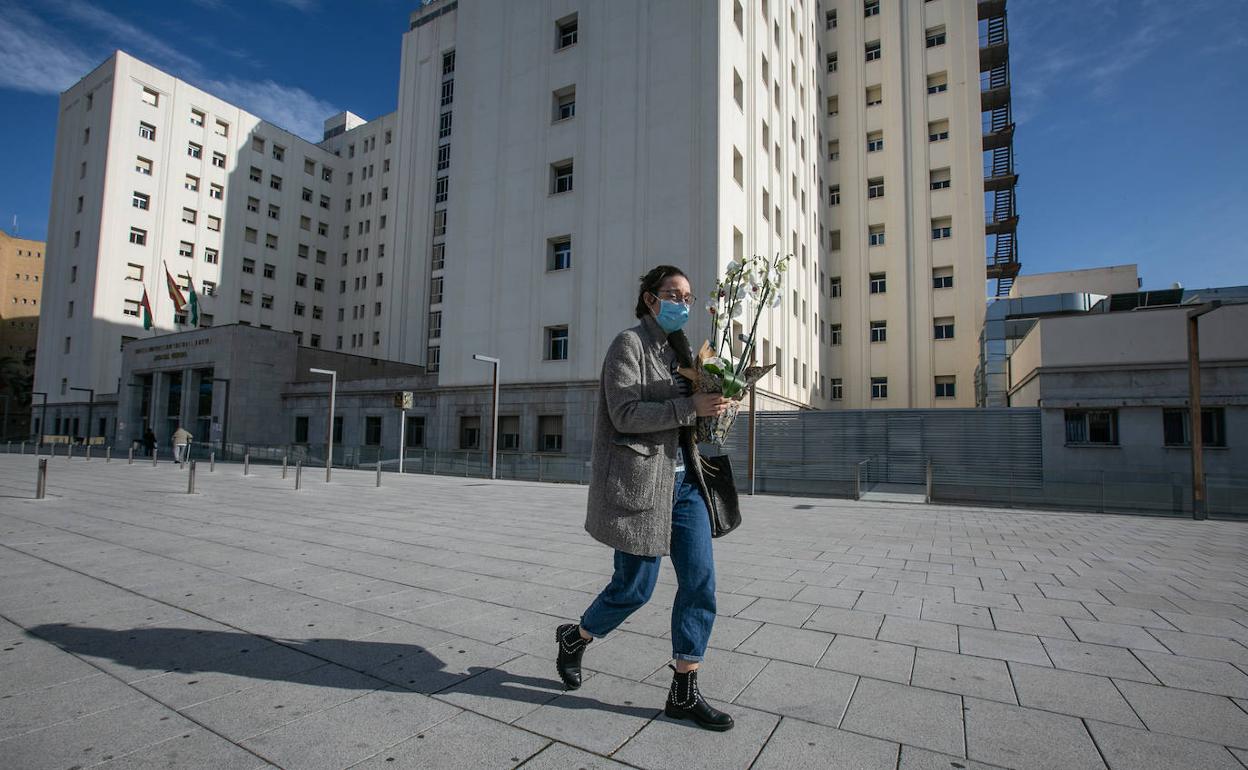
{"x": 316, "y": 662}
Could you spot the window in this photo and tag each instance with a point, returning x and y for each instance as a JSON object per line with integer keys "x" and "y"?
{"x": 249, "y": 265}
{"x": 275, "y": 212}
{"x": 138, "y": 236}
{"x": 878, "y": 283}
{"x": 937, "y": 83}
{"x": 318, "y": 284}
{"x": 559, "y": 255}
{"x": 186, "y": 249}
{"x": 942, "y": 278}
{"x": 875, "y": 235}
{"x": 444, "y": 125}
{"x": 327, "y": 174}
{"x": 1176, "y": 427}
{"x": 830, "y": 19}
{"x": 244, "y": 296}
{"x": 871, "y": 8}
{"x": 322, "y": 229}
{"x": 834, "y": 287}
{"x": 832, "y": 62}
{"x": 834, "y": 150}
{"x": 879, "y": 331}
{"x": 469, "y": 432}
{"x": 437, "y": 258}
{"x": 875, "y": 95}
{"x": 550, "y": 433}
{"x": 214, "y": 223}
{"x": 266, "y": 301}
{"x": 134, "y": 272}
{"x": 938, "y": 130}
{"x": 131, "y": 308}
{"x": 875, "y": 187}
{"x": 738, "y": 16}
{"x": 253, "y": 205}
{"x": 301, "y": 279}
{"x": 143, "y": 166}
{"x": 433, "y": 358}
{"x": 834, "y": 195}
{"x": 257, "y": 144}
{"x": 279, "y": 152}
{"x": 299, "y": 307}
{"x": 216, "y": 192}
{"x": 269, "y": 270}
{"x": 444, "y": 162}
{"x": 943, "y": 328}
{"x": 439, "y": 223}
{"x": 140, "y": 200}
{"x": 838, "y": 390}
{"x": 211, "y": 256}
{"x": 738, "y": 167}
{"x": 875, "y": 141}
{"x": 873, "y": 50}
{"x": 448, "y": 92}
{"x": 879, "y": 387}
{"x": 222, "y": 128}
{"x": 210, "y": 288}
{"x": 301, "y": 430}
{"x": 942, "y": 228}
{"x": 940, "y": 179}
{"x": 275, "y": 181}
{"x": 936, "y": 36}
{"x": 566, "y": 33}
{"x": 738, "y": 89}
{"x": 147, "y": 131}
{"x": 556, "y": 343}
{"x": 194, "y": 150}
{"x": 435, "y": 290}
{"x": 1092, "y": 426}
{"x": 218, "y": 160}
{"x": 441, "y": 189}
{"x": 372, "y": 430}
{"x": 836, "y": 333}
{"x": 255, "y": 175}
{"x": 270, "y": 241}
{"x": 561, "y": 177}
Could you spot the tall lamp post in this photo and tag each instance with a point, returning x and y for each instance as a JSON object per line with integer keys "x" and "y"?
{"x": 494, "y": 415}
{"x": 43, "y": 419}
{"x": 1194, "y": 417}
{"x": 90, "y": 409}
{"x": 329, "y": 429}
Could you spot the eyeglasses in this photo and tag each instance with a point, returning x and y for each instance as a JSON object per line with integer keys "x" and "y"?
{"x": 674, "y": 296}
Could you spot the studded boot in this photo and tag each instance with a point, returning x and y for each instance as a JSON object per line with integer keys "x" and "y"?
{"x": 571, "y": 647}
{"x": 684, "y": 701}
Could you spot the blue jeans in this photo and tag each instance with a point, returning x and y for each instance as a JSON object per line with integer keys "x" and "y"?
{"x": 693, "y": 613}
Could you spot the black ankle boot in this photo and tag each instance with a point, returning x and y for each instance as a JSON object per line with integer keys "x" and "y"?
{"x": 684, "y": 701}
{"x": 571, "y": 646}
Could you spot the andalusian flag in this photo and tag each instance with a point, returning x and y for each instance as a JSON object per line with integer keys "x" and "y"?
{"x": 147, "y": 311}
{"x": 193, "y": 301}
{"x": 175, "y": 293}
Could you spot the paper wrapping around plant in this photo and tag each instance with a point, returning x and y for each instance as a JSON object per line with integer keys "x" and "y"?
{"x": 715, "y": 430}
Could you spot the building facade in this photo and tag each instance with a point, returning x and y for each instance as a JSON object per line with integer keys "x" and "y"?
{"x": 21, "y": 288}
{"x": 537, "y": 164}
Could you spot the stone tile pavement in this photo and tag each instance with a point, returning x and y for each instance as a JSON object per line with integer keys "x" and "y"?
{"x": 250, "y": 625}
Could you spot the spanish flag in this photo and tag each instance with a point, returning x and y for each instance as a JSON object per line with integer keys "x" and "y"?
{"x": 175, "y": 293}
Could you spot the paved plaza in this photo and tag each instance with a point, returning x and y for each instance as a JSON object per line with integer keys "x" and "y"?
{"x": 252, "y": 625}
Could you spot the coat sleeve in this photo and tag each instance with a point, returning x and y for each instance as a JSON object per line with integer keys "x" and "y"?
{"x": 621, "y": 384}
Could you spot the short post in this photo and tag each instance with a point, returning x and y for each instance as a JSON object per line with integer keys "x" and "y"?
{"x": 41, "y": 479}
{"x": 190, "y": 477}
{"x": 379, "y": 470}
{"x": 284, "y": 458}
{"x": 130, "y": 456}
{"x": 246, "y": 463}
{"x": 88, "y": 453}
{"x": 69, "y": 451}
{"x": 23, "y": 447}
{"x": 155, "y": 456}
{"x": 212, "y": 462}
{"x": 858, "y": 481}
{"x": 928, "y": 498}
{"x": 298, "y": 472}
{"x": 108, "y": 453}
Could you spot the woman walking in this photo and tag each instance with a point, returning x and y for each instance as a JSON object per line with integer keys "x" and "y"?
{"x": 647, "y": 496}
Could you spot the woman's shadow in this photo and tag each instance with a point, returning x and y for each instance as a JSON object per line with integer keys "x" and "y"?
{"x": 315, "y": 662}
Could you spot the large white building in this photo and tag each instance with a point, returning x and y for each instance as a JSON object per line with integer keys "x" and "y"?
{"x": 542, "y": 157}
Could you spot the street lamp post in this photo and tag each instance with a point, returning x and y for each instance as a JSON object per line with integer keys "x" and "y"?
{"x": 1194, "y": 418}
{"x": 90, "y": 409}
{"x": 43, "y": 419}
{"x": 329, "y": 429}
{"x": 494, "y": 415}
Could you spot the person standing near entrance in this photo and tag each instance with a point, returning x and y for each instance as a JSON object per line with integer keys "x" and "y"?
{"x": 181, "y": 440}
{"x": 149, "y": 442}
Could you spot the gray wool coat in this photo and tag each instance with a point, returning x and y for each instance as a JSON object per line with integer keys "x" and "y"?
{"x": 640, "y": 423}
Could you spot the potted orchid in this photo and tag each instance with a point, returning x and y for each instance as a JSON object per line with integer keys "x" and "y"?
{"x": 749, "y": 286}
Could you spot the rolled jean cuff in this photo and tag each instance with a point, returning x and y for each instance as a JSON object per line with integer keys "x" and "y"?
{"x": 581, "y": 626}
{"x": 686, "y": 658}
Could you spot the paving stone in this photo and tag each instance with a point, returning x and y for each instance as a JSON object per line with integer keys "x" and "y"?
{"x": 869, "y": 657}
{"x": 797, "y": 745}
{"x": 827, "y": 596}
{"x": 1004, "y": 645}
{"x": 957, "y": 614}
{"x": 196, "y": 747}
{"x": 1117, "y": 634}
{"x": 434, "y": 668}
{"x": 783, "y": 643}
{"x": 922, "y": 759}
{"x": 1096, "y": 659}
{"x": 1071, "y": 693}
{"x": 560, "y": 756}
{"x": 1023, "y": 738}
{"x": 1211, "y": 626}
{"x": 1209, "y": 676}
{"x": 1128, "y": 749}
{"x": 985, "y": 599}
{"x": 920, "y": 633}
{"x": 772, "y": 589}
{"x": 179, "y": 689}
{"x": 729, "y": 632}
{"x": 510, "y": 690}
{"x": 666, "y": 743}
{"x": 1133, "y": 616}
{"x": 909, "y": 715}
{"x": 465, "y": 740}
{"x": 1036, "y": 625}
{"x": 1196, "y": 715}
{"x": 963, "y": 674}
{"x": 1044, "y": 606}
{"x": 600, "y": 717}
{"x": 843, "y": 621}
{"x": 38, "y": 708}
{"x": 907, "y": 606}
{"x": 778, "y": 611}
{"x": 723, "y": 674}
{"x": 807, "y": 693}
{"x": 1201, "y": 646}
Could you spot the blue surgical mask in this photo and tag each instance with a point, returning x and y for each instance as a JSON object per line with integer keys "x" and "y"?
{"x": 672, "y": 315}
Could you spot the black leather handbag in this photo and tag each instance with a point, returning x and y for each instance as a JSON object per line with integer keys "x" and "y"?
{"x": 723, "y": 505}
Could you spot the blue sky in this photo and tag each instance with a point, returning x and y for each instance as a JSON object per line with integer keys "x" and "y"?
{"x": 1132, "y": 114}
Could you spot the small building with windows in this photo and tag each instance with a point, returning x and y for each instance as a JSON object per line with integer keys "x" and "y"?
{"x": 1112, "y": 384}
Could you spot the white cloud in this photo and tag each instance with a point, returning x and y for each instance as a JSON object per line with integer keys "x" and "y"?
{"x": 36, "y": 58}
{"x": 290, "y": 107}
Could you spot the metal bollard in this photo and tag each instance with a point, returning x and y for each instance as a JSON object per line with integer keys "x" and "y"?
{"x": 212, "y": 462}
{"x": 190, "y": 478}
{"x": 88, "y": 452}
{"x": 69, "y": 452}
{"x": 108, "y": 453}
{"x": 130, "y": 457}
{"x": 41, "y": 480}
{"x": 155, "y": 456}
{"x": 298, "y": 473}
{"x": 379, "y": 471}
{"x": 284, "y": 458}
{"x": 23, "y": 447}
{"x": 246, "y": 463}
